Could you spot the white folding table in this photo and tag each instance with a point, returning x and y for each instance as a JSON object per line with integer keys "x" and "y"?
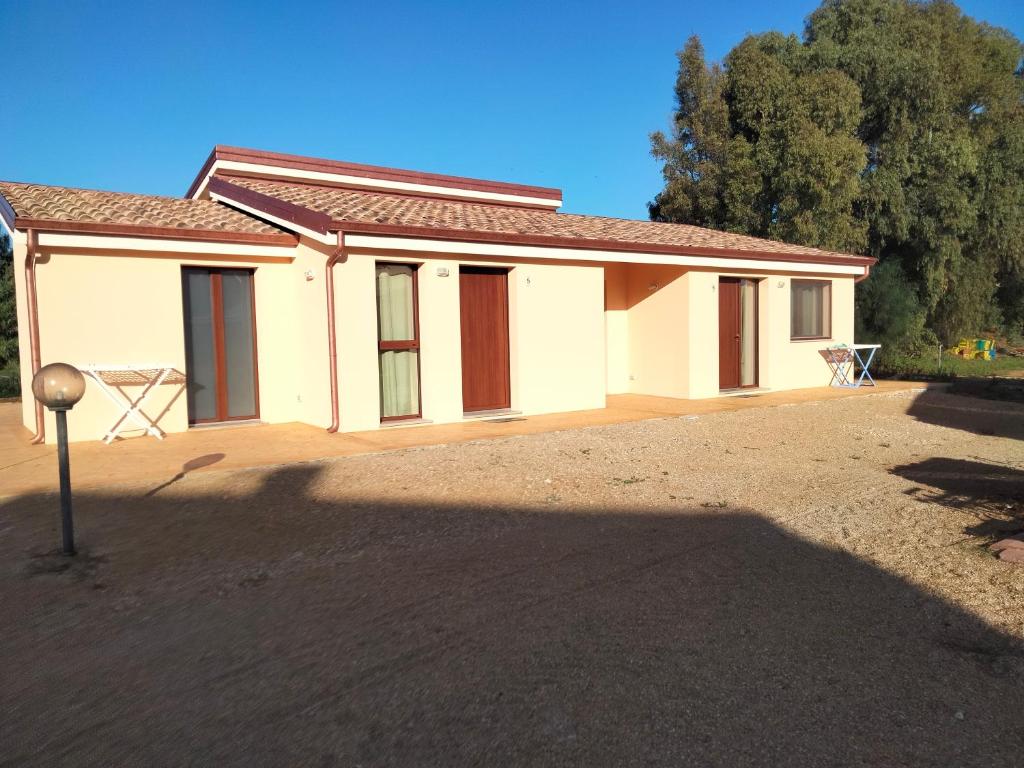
{"x": 843, "y": 359}
{"x": 112, "y": 380}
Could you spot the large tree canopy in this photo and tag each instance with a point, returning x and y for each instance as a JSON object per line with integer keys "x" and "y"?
{"x": 892, "y": 128}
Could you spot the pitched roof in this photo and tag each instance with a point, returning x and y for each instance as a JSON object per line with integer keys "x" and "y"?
{"x": 332, "y": 208}
{"x": 84, "y": 210}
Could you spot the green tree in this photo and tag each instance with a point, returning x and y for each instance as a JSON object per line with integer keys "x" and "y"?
{"x": 893, "y": 128}
{"x": 889, "y": 310}
{"x": 765, "y": 147}
{"x": 697, "y": 155}
{"x": 9, "y": 380}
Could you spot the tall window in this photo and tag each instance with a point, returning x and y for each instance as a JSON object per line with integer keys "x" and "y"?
{"x": 810, "y": 309}
{"x": 220, "y": 344}
{"x": 398, "y": 341}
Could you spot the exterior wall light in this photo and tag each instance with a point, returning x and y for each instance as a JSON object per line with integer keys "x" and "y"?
{"x": 59, "y": 386}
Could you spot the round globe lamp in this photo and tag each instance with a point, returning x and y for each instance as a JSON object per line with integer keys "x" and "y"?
{"x": 59, "y": 386}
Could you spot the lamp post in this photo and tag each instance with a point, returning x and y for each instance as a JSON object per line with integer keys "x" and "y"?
{"x": 59, "y": 386}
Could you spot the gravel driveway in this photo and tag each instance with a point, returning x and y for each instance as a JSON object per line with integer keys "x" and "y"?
{"x": 803, "y": 585}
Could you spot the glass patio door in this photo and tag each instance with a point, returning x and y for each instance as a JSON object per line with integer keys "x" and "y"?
{"x": 220, "y": 345}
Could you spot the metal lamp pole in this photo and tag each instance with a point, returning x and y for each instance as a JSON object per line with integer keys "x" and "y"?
{"x": 67, "y": 525}
{"x": 59, "y": 386}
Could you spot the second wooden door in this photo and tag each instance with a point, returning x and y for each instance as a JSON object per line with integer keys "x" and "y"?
{"x": 737, "y": 333}
{"x": 485, "y": 363}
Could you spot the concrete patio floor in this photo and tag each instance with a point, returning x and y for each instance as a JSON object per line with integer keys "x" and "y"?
{"x": 28, "y": 468}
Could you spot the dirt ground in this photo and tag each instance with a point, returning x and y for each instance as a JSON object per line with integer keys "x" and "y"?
{"x": 802, "y": 585}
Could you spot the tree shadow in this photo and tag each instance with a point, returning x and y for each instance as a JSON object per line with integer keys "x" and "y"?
{"x": 993, "y": 492}
{"x": 971, "y": 414}
{"x": 275, "y": 626}
{"x": 1010, "y": 389}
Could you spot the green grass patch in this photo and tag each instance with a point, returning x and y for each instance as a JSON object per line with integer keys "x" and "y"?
{"x": 928, "y": 367}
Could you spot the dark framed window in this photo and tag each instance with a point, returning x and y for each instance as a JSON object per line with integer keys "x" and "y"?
{"x": 398, "y": 341}
{"x": 810, "y": 309}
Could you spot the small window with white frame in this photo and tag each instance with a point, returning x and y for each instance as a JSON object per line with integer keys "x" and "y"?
{"x": 810, "y": 309}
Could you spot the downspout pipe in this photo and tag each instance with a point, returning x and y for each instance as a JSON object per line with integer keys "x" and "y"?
{"x": 332, "y": 342}
{"x": 32, "y": 237}
{"x": 862, "y": 278}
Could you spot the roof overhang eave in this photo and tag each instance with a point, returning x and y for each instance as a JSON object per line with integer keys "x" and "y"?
{"x": 162, "y": 233}
{"x": 546, "y": 241}
{"x": 470, "y": 250}
{"x": 199, "y": 181}
{"x": 314, "y": 170}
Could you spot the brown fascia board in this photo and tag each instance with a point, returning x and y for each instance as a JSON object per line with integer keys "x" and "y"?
{"x": 205, "y": 169}
{"x": 169, "y": 233}
{"x": 553, "y": 241}
{"x": 271, "y": 206}
{"x": 300, "y": 162}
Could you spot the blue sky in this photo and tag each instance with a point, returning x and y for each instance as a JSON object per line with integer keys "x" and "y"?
{"x": 132, "y": 96}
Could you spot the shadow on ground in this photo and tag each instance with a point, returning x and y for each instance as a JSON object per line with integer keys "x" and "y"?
{"x": 993, "y": 492}
{"x": 1009, "y": 388}
{"x": 972, "y": 414}
{"x": 282, "y": 628}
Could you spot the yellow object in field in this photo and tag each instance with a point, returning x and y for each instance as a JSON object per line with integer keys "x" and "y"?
{"x": 971, "y": 349}
{"x": 964, "y": 349}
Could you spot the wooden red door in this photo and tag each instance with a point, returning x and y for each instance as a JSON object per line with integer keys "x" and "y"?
{"x": 485, "y": 367}
{"x": 728, "y": 333}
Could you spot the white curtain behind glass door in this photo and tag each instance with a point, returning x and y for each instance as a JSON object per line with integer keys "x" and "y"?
{"x": 399, "y": 369}
{"x": 748, "y": 333}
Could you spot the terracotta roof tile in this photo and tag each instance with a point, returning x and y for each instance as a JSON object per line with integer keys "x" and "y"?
{"x": 374, "y": 208}
{"x": 64, "y": 205}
